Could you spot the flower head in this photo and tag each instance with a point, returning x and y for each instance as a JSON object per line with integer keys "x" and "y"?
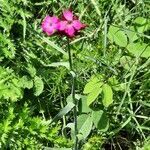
{"x": 50, "y": 25}
{"x": 70, "y": 24}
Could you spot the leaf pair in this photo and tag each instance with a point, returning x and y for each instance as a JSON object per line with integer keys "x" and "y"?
{"x": 95, "y": 87}
{"x": 129, "y": 37}
{"x": 86, "y": 121}
{"x": 85, "y": 124}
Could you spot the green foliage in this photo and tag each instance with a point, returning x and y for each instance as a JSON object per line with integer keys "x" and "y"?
{"x": 100, "y": 120}
{"x": 146, "y": 145}
{"x": 21, "y": 130}
{"x": 84, "y": 126}
{"x": 92, "y": 85}
{"x": 117, "y": 36}
{"x": 94, "y": 143}
{"x": 108, "y": 95}
{"x": 21, "y": 83}
{"x": 139, "y": 49}
{"x": 10, "y": 85}
{"x": 111, "y": 59}
{"x": 7, "y": 47}
{"x": 95, "y": 87}
{"x": 38, "y": 86}
{"x": 64, "y": 111}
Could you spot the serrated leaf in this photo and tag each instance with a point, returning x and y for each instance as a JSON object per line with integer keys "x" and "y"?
{"x": 25, "y": 82}
{"x": 94, "y": 94}
{"x": 100, "y": 120}
{"x": 118, "y": 36}
{"x": 7, "y": 46}
{"x": 31, "y": 70}
{"x": 38, "y": 86}
{"x": 107, "y": 95}
{"x": 139, "y": 49}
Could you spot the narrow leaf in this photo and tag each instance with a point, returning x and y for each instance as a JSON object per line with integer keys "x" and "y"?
{"x": 64, "y": 111}
{"x": 57, "y": 64}
{"x": 53, "y": 45}
{"x": 95, "y": 3}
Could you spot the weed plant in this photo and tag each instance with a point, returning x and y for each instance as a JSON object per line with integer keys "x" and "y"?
{"x": 111, "y": 59}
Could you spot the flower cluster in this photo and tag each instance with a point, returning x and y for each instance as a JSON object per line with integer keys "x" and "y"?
{"x": 68, "y": 25}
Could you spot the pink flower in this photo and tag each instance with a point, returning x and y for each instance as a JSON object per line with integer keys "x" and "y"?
{"x": 70, "y": 24}
{"x": 50, "y": 25}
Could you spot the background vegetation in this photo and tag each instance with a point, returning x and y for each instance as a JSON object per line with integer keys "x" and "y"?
{"x": 111, "y": 60}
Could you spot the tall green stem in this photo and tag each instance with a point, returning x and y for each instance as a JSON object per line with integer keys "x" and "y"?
{"x": 73, "y": 76}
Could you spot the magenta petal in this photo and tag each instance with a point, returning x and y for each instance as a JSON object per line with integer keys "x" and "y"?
{"x": 46, "y": 22}
{"x": 68, "y": 15}
{"x": 44, "y": 26}
{"x": 77, "y": 24}
{"x": 54, "y": 19}
{"x": 62, "y": 25}
{"x": 50, "y": 30}
{"x": 49, "y": 24}
{"x": 47, "y": 19}
{"x": 70, "y": 30}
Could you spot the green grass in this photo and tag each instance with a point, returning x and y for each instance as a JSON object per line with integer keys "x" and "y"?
{"x": 111, "y": 59}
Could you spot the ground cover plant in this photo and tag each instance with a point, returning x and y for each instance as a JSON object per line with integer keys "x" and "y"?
{"x": 79, "y": 82}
